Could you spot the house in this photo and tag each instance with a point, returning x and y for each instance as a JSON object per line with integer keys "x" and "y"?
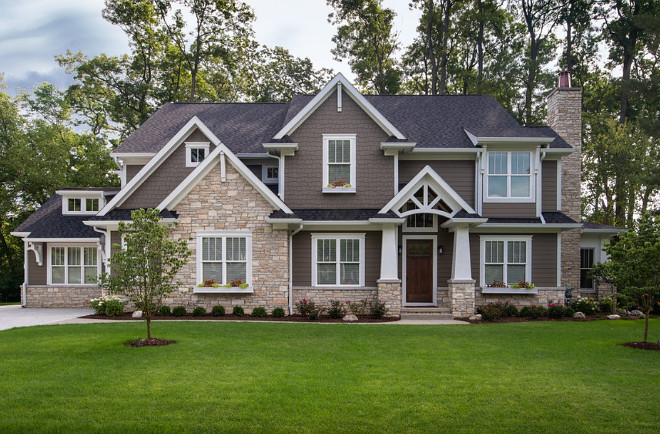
{"x": 425, "y": 202}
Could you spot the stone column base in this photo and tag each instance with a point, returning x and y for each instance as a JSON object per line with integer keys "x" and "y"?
{"x": 462, "y": 295}
{"x": 389, "y": 291}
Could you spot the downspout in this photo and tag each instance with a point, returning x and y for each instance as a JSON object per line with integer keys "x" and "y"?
{"x": 291, "y": 234}
{"x": 25, "y": 273}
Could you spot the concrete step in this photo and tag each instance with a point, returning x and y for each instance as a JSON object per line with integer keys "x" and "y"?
{"x": 426, "y": 313}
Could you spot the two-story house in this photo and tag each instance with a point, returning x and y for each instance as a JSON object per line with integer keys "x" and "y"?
{"x": 421, "y": 201}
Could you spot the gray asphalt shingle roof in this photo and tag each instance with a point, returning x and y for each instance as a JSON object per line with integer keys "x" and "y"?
{"x": 48, "y": 222}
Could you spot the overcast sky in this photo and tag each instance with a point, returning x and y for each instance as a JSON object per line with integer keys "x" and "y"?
{"x": 32, "y": 32}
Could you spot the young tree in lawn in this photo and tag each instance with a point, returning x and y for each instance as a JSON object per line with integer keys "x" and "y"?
{"x": 634, "y": 267}
{"x": 145, "y": 267}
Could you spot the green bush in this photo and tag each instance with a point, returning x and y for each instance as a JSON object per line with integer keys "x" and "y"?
{"x": 569, "y": 312}
{"x": 556, "y": 310}
{"x": 378, "y": 309}
{"x": 533, "y": 311}
{"x": 606, "y": 305}
{"x": 259, "y": 312}
{"x": 510, "y": 310}
{"x": 179, "y": 311}
{"x": 238, "y": 311}
{"x": 164, "y": 311}
{"x": 278, "y": 312}
{"x": 110, "y": 306}
{"x": 199, "y": 311}
{"x": 585, "y": 305}
{"x": 358, "y": 308}
{"x": 218, "y": 310}
{"x": 490, "y": 312}
{"x": 337, "y": 309}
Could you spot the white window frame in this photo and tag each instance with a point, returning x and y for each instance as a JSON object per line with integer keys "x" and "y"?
{"x": 433, "y": 228}
{"x": 338, "y": 237}
{"x": 264, "y": 174}
{"x": 49, "y": 278}
{"x": 509, "y": 175}
{"x": 326, "y": 163}
{"x": 196, "y": 145}
{"x": 248, "y": 260}
{"x": 83, "y": 204}
{"x": 505, "y": 239}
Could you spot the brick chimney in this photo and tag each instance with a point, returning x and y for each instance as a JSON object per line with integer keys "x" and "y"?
{"x": 565, "y": 117}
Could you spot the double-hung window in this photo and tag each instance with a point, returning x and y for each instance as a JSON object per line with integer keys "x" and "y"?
{"x": 225, "y": 257}
{"x": 509, "y": 175}
{"x": 339, "y": 163}
{"x": 73, "y": 265}
{"x": 196, "y": 152}
{"x": 81, "y": 205}
{"x": 505, "y": 259}
{"x": 586, "y": 268}
{"x": 338, "y": 259}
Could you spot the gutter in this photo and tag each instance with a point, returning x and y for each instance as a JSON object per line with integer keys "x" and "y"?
{"x": 291, "y": 234}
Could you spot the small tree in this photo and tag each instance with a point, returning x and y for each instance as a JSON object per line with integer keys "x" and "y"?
{"x": 145, "y": 266}
{"x": 634, "y": 265}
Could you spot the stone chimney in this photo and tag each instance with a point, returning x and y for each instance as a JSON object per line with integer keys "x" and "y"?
{"x": 565, "y": 117}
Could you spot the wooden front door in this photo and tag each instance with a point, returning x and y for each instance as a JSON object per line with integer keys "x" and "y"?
{"x": 419, "y": 271}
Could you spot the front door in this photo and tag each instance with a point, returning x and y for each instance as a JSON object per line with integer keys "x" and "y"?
{"x": 419, "y": 271}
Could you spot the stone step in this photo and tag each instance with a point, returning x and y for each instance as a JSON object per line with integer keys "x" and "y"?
{"x": 426, "y": 313}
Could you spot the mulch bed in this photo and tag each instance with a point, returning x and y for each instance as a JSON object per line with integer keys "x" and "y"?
{"x": 597, "y": 317}
{"x": 153, "y": 342}
{"x": 127, "y": 316}
{"x": 643, "y": 345}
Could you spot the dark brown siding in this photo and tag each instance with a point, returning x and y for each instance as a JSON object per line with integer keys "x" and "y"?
{"x": 509, "y": 209}
{"x": 544, "y": 259}
{"x": 304, "y": 171}
{"x": 549, "y": 185}
{"x": 131, "y": 171}
{"x": 255, "y": 169}
{"x": 302, "y": 258}
{"x": 38, "y": 275}
{"x": 165, "y": 178}
{"x": 459, "y": 174}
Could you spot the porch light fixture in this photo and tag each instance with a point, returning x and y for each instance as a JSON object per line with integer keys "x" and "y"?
{"x": 440, "y": 250}
{"x": 400, "y": 249}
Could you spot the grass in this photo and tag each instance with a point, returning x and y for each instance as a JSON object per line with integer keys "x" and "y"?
{"x": 9, "y": 303}
{"x": 267, "y": 377}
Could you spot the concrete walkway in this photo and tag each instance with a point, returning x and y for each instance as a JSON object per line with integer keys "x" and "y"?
{"x": 16, "y": 316}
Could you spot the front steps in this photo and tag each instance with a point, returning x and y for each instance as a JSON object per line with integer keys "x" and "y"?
{"x": 426, "y": 313}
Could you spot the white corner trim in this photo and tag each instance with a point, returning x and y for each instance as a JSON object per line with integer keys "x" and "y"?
{"x": 437, "y": 181}
{"x": 558, "y": 185}
{"x": 359, "y": 99}
{"x": 559, "y": 259}
{"x": 157, "y": 160}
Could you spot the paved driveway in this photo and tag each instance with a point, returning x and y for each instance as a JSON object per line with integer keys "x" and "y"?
{"x": 16, "y": 316}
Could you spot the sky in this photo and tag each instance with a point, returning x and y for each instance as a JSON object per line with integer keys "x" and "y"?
{"x": 32, "y": 32}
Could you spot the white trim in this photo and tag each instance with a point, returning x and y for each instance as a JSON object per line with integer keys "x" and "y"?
{"x": 433, "y": 228}
{"x": 196, "y": 145}
{"x": 320, "y": 97}
{"x": 434, "y": 265}
{"x": 337, "y": 237}
{"x": 20, "y": 234}
{"x": 505, "y": 239}
{"x": 280, "y": 185}
{"x": 558, "y": 185}
{"x": 264, "y": 174}
{"x": 38, "y": 252}
{"x": 538, "y": 174}
{"x": 525, "y": 226}
{"x": 394, "y": 148}
{"x": 508, "y": 198}
{"x": 445, "y": 150}
{"x": 448, "y": 194}
{"x": 559, "y": 259}
{"x": 205, "y": 167}
{"x": 223, "y": 235}
{"x": 157, "y": 160}
{"x": 49, "y": 276}
{"x": 285, "y": 149}
{"x": 339, "y": 108}
{"x": 63, "y": 240}
{"x": 326, "y": 163}
{"x": 396, "y": 173}
{"x": 516, "y": 140}
{"x": 83, "y": 205}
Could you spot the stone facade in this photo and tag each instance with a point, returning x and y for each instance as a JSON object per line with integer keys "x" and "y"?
{"x": 389, "y": 291}
{"x": 60, "y": 296}
{"x": 462, "y": 295}
{"x": 544, "y": 297}
{"x": 565, "y": 117}
{"x": 322, "y": 297}
{"x": 233, "y": 205}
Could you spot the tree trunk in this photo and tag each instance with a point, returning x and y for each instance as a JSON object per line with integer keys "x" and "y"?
{"x": 445, "y": 42}
{"x": 431, "y": 48}
{"x": 480, "y": 45}
{"x": 569, "y": 47}
{"x": 148, "y": 318}
{"x": 646, "y": 326}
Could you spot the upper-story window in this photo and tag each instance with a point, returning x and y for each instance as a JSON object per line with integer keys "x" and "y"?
{"x": 81, "y": 205}
{"x": 270, "y": 174}
{"x": 509, "y": 175}
{"x": 339, "y": 163}
{"x": 196, "y": 152}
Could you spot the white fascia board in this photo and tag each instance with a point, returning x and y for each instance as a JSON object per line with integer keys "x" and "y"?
{"x": 285, "y": 149}
{"x": 156, "y": 161}
{"x": 324, "y": 94}
{"x": 516, "y": 140}
{"x": 254, "y": 155}
{"x": 81, "y": 193}
{"x": 20, "y": 234}
{"x": 427, "y": 170}
{"x": 603, "y": 231}
{"x": 474, "y": 139}
{"x": 386, "y": 220}
{"x": 133, "y": 157}
{"x": 104, "y": 223}
{"x": 559, "y": 150}
{"x": 273, "y": 221}
{"x": 397, "y": 146}
{"x": 336, "y": 222}
{"x": 205, "y": 167}
{"x": 446, "y": 150}
{"x": 472, "y": 221}
{"x": 63, "y": 240}
{"x": 524, "y": 226}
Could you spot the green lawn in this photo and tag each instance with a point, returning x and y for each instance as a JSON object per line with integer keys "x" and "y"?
{"x": 9, "y": 303}
{"x": 268, "y": 377}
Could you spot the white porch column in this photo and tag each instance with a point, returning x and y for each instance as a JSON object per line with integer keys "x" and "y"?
{"x": 461, "y": 268}
{"x": 388, "y": 254}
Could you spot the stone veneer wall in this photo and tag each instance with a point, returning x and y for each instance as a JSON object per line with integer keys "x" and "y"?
{"x": 60, "y": 296}
{"x": 232, "y": 205}
{"x": 462, "y": 295}
{"x": 544, "y": 297}
{"x": 322, "y": 297}
{"x": 565, "y": 117}
{"x": 389, "y": 291}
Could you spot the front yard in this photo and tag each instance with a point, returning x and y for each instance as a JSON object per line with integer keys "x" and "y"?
{"x": 265, "y": 377}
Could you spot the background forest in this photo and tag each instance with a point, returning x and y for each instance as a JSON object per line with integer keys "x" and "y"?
{"x": 205, "y": 50}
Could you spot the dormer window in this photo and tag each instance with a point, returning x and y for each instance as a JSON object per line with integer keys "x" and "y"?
{"x": 91, "y": 205}
{"x": 509, "y": 177}
{"x": 81, "y": 202}
{"x": 196, "y": 152}
{"x": 75, "y": 205}
{"x": 270, "y": 174}
{"x": 339, "y": 163}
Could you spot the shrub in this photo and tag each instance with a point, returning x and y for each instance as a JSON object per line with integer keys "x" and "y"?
{"x": 337, "y": 309}
{"x": 378, "y": 309}
{"x": 556, "y": 310}
{"x": 533, "y": 311}
{"x": 278, "y": 312}
{"x": 164, "y": 311}
{"x": 111, "y": 306}
{"x": 179, "y": 311}
{"x": 302, "y": 306}
{"x": 313, "y": 312}
{"x": 238, "y": 311}
{"x": 259, "y": 312}
{"x": 510, "y": 310}
{"x": 606, "y": 305}
{"x": 585, "y": 305}
{"x": 199, "y": 311}
{"x": 218, "y": 310}
{"x": 491, "y": 311}
{"x": 569, "y": 312}
{"x": 358, "y": 308}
